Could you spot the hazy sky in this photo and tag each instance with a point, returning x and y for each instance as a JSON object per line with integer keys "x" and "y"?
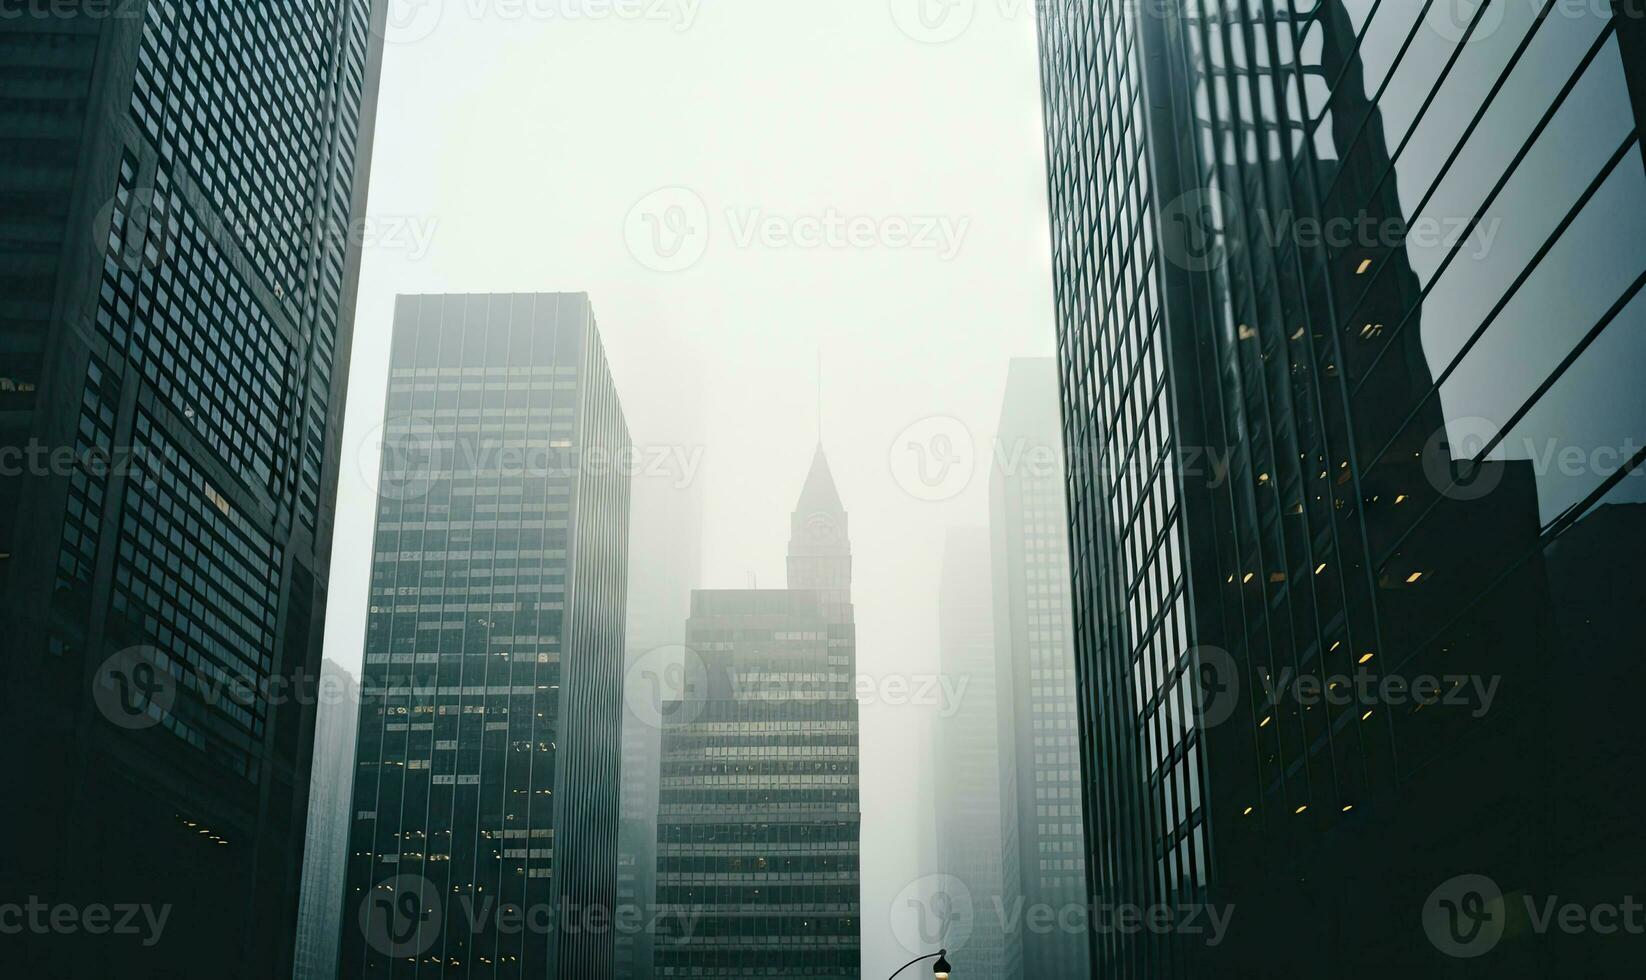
{"x": 739, "y": 184}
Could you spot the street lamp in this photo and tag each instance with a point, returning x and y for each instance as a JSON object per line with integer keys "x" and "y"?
{"x": 940, "y": 969}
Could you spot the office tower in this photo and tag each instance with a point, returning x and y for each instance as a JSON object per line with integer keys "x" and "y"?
{"x": 758, "y": 823}
{"x": 1036, "y": 656}
{"x": 665, "y": 559}
{"x": 327, "y": 840}
{"x": 968, "y": 763}
{"x": 637, "y": 818}
{"x": 174, "y": 333}
{"x": 484, "y": 836}
{"x": 1335, "y": 286}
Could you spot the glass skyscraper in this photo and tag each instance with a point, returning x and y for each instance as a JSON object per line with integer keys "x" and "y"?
{"x": 1348, "y": 302}
{"x": 759, "y": 822}
{"x": 1035, "y": 645}
{"x": 178, "y": 185}
{"x": 485, "y": 815}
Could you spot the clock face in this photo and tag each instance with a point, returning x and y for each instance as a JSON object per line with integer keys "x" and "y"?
{"x": 822, "y": 526}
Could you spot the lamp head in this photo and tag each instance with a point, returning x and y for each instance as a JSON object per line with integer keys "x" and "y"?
{"x": 940, "y": 969}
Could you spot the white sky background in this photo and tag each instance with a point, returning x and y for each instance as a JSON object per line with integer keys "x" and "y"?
{"x": 516, "y": 139}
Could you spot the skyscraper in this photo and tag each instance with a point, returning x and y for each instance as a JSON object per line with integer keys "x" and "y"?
{"x": 968, "y": 778}
{"x": 1035, "y": 648}
{"x": 665, "y": 556}
{"x": 759, "y": 825}
{"x": 485, "y": 811}
{"x": 1335, "y": 288}
{"x": 327, "y": 840}
{"x": 178, "y": 184}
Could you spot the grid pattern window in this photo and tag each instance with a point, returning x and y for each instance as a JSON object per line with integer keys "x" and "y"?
{"x": 487, "y": 741}
{"x": 758, "y": 821}
{"x": 1401, "y": 277}
{"x": 1397, "y": 126}
{"x": 1128, "y": 578}
{"x": 199, "y": 581}
{"x": 177, "y": 177}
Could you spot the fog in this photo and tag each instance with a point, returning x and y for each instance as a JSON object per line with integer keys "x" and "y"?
{"x": 744, "y": 188}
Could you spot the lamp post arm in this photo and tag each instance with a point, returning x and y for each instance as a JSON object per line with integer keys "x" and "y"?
{"x": 912, "y": 962}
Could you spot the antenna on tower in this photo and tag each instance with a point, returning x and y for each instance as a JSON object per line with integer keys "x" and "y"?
{"x": 820, "y": 396}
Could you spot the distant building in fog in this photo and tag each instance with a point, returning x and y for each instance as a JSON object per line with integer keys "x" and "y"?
{"x": 1033, "y": 638}
{"x": 491, "y": 712}
{"x": 759, "y": 826}
{"x": 968, "y": 765}
{"x": 327, "y": 843}
{"x": 665, "y": 559}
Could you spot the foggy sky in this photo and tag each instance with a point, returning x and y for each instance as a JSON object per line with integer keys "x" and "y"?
{"x": 866, "y": 193}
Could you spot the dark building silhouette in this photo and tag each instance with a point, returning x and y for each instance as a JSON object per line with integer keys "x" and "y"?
{"x": 1338, "y": 290}
{"x": 759, "y": 823}
{"x": 178, "y": 184}
{"x": 485, "y": 814}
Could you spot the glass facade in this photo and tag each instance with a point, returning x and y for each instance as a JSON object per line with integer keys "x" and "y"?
{"x": 484, "y": 824}
{"x": 178, "y": 297}
{"x": 758, "y": 826}
{"x": 1380, "y": 263}
{"x": 1032, "y": 628}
